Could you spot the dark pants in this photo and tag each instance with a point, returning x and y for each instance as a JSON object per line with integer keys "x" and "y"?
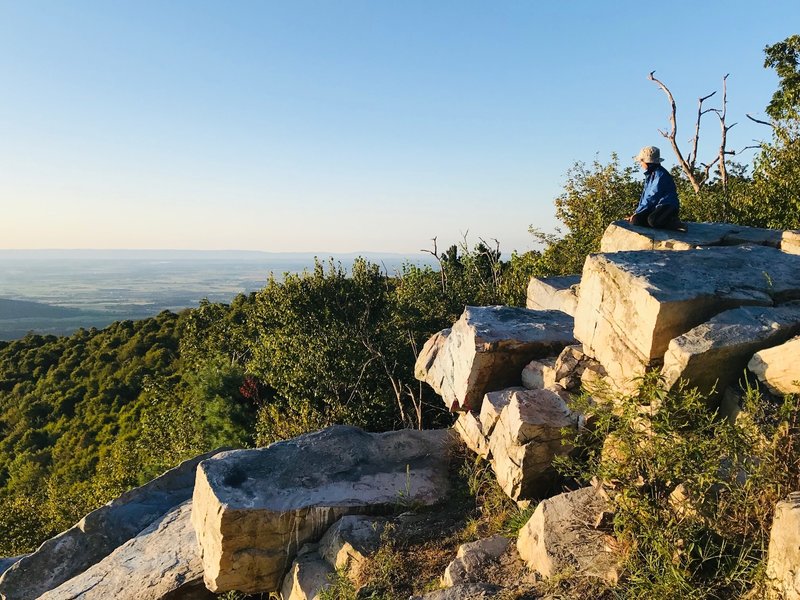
{"x": 664, "y": 216}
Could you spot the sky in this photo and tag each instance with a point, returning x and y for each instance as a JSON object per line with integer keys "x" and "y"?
{"x": 349, "y": 125}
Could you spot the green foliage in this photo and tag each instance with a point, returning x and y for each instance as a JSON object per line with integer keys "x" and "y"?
{"x": 593, "y": 197}
{"x": 694, "y": 492}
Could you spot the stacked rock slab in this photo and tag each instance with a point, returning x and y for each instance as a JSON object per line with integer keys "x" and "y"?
{"x": 563, "y": 537}
{"x": 253, "y": 509}
{"x": 621, "y": 236}
{"x": 633, "y": 303}
{"x": 528, "y": 434}
{"x": 100, "y": 532}
{"x": 778, "y": 368}
{"x": 161, "y": 562}
{"x": 487, "y": 349}
{"x": 553, "y": 293}
{"x": 714, "y": 354}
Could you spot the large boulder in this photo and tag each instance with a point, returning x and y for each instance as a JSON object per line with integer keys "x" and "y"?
{"x": 563, "y": 536}
{"x": 486, "y": 350}
{"x": 161, "y": 562}
{"x": 253, "y": 509}
{"x": 633, "y": 303}
{"x": 554, "y": 293}
{"x": 783, "y": 555}
{"x": 714, "y": 354}
{"x": 526, "y": 438}
{"x": 100, "y": 532}
{"x": 778, "y": 368}
{"x": 621, "y": 236}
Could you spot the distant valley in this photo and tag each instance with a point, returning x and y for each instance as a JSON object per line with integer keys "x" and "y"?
{"x": 57, "y": 292}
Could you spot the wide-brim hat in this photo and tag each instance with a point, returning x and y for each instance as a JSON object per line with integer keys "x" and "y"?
{"x": 650, "y": 155}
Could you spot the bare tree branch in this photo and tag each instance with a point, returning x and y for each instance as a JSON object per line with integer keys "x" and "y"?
{"x": 690, "y": 174}
{"x": 767, "y": 123}
{"x": 696, "y": 138}
{"x": 442, "y": 274}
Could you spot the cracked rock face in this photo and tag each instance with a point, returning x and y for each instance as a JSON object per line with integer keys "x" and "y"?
{"x": 486, "y": 350}
{"x": 633, "y": 303}
{"x": 253, "y": 509}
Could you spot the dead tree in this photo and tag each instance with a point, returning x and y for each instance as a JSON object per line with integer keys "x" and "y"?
{"x": 699, "y": 176}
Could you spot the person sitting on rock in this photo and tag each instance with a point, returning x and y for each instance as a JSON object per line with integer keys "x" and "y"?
{"x": 658, "y": 207}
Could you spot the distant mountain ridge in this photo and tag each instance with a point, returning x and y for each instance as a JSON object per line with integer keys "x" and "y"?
{"x": 24, "y": 309}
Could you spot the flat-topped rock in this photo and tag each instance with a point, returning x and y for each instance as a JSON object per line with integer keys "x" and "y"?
{"x": 714, "y": 354}
{"x": 621, "y": 236}
{"x": 99, "y": 533}
{"x": 253, "y": 509}
{"x": 633, "y": 303}
{"x": 553, "y": 293}
{"x": 777, "y": 368}
{"x": 161, "y": 562}
{"x": 486, "y": 350}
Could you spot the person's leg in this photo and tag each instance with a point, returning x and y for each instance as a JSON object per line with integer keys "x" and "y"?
{"x": 641, "y": 219}
{"x": 664, "y": 217}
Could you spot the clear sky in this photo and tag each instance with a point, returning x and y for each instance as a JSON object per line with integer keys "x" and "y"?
{"x": 349, "y": 125}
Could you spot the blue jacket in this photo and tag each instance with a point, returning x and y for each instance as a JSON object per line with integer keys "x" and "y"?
{"x": 659, "y": 189}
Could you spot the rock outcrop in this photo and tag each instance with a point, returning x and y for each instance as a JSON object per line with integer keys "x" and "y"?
{"x": 778, "y": 368}
{"x": 253, "y": 509}
{"x": 562, "y": 537}
{"x": 486, "y": 350}
{"x": 632, "y": 304}
{"x": 160, "y": 562}
{"x": 98, "y": 534}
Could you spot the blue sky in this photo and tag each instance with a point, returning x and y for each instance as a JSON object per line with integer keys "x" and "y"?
{"x": 345, "y": 126}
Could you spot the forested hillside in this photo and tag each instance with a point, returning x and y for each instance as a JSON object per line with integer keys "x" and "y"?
{"x": 87, "y": 416}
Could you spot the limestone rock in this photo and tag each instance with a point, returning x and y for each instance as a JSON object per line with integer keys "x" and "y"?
{"x": 493, "y": 404}
{"x": 561, "y": 537}
{"x": 160, "y": 562}
{"x": 472, "y": 558}
{"x": 783, "y": 556}
{"x": 790, "y": 241}
{"x": 464, "y": 591}
{"x": 471, "y": 432}
{"x": 714, "y": 354}
{"x": 633, "y": 303}
{"x": 487, "y": 349}
{"x": 526, "y": 438}
{"x": 254, "y": 508}
{"x": 98, "y": 534}
{"x": 621, "y": 236}
{"x": 778, "y": 368}
{"x": 307, "y": 577}
{"x": 539, "y": 374}
{"x": 554, "y": 293}
{"x": 351, "y": 541}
